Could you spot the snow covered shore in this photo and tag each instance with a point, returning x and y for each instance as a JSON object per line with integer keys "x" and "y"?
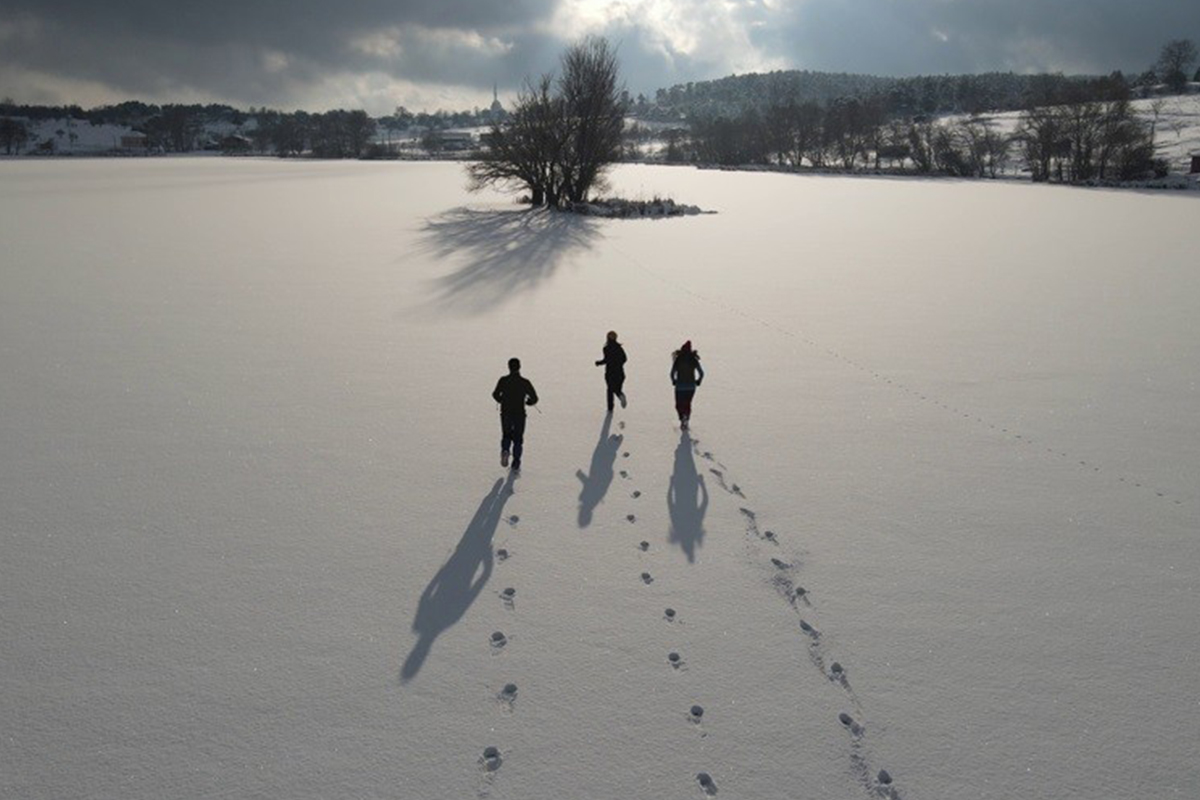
{"x": 628, "y": 209}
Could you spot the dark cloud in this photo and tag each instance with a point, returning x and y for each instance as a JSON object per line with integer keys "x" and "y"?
{"x": 293, "y": 23}
{"x": 907, "y": 37}
{"x": 270, "y": 52}
{"x": 314, "y": 53}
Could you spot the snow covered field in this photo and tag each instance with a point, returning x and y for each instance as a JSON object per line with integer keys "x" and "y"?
{"x": 255, "y": 538}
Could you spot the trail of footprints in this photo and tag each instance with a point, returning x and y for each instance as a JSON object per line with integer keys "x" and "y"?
{"x": 916, "y": 394}
{"x": 491, "y": 758}
{"x": 876, "y": 783}
{"x": 1010, "y": 433}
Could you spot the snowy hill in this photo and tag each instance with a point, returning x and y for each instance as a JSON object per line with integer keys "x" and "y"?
{"x": 255, "y": 539}
{"x": 1176, "y": 120}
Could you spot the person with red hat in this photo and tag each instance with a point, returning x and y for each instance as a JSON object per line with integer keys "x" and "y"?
{"x": 686, "y": 375}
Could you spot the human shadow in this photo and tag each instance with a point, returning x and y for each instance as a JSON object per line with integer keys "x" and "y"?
{"x": 460, "y": 580}
{"x": 507, "y": 251}
{"x": 600, "y": 474}
{"x": 687, "y": 500}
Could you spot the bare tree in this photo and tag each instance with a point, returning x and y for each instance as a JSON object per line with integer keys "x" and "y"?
{"x": 526, "y": 148}
{"x": 1085, "y": 140}
{"x": 13, "y": 135}
{"x": 562, "y": 135}
{"x": 594, "y": 115}
{"x": 1040, "y": 136}
{"x": 1173, "y": 63}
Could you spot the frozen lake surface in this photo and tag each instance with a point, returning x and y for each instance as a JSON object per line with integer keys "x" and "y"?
{"x": 255, "y": 539}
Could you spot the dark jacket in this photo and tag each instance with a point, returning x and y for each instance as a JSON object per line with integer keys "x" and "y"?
{"x": 613, "y": 361}
{"x": 513, "y": 393}
{"x": 686, "y": 372}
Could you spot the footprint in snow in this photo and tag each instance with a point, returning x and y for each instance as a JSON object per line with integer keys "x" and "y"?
{"x": 644, "y": 546}
{"x": 734, "y": 489}
{"x": 621, "y": 425}
{"x": 624, "y": 475}
{"x": 636, "y": 494}
{"x": 502, "y": 554}
{"x": 675, "y": 660}
{"x": 780, "y": 564}
{"x": 647, "y": 578}
{"x": 783, "y": 584}
{"x": 751, "y": 521}
{"x": 508, "y": 695}
{"x": 850, "y": 724}
{"x": 513, "y": 520}
{"x": 669, "y": 615}
{"x": 837, "y": 674}
{"x": 884, "y": 787}
{"x": 498, "y": 641}
{"x": 509, "y": 597}
{"x": 809, "y": 630}
{"x": 770, "y": 537}
{"x": 631, "y": 517}
{"x": 490, "y": 761}
{"x": 707, "y": 783}
{"x": 625, "y": 454}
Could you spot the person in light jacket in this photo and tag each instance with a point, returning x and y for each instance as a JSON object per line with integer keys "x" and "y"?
{"x": 686, "y": 376}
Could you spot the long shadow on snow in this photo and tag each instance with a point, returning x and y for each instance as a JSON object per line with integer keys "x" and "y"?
{"x": 457, "y": 584}
{"x": 507, "y": 251}
{"x": 687, "y": 500}
{"x": 600, "y": 476}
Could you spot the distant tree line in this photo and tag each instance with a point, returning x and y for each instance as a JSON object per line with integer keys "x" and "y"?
{"x": 927, "y": 95}
{"x": 1089, "y": 133}
{"x": 333, "y": 134}
{"x": 923, "y": 95}
{"x": 180, "y": 128}
{"x": 1072, "y": 128}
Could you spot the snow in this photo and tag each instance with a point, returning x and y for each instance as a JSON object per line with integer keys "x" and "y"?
{"x": 251, "y": 510}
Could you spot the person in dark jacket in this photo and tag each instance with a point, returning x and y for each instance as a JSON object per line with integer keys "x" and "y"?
{"x": 686, "y": 375}
{"x": 614, "y": 369}
{"x": 513, "y": 392}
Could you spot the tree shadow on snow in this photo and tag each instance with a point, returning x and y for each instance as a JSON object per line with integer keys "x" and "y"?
{"x": 600, "y": 476}
{"x": 460, "y": 580}
{"x": 687, "y": 500}
{"x": 507, "y": 251}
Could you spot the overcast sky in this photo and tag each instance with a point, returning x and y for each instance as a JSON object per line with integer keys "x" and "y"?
{"x": 429, "y": 54}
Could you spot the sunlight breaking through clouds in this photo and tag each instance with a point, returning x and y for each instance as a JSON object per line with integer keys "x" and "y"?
{"x": 290, "y": 53}
{"x": 392, "y": 43}
{"x": 678, "y": 33}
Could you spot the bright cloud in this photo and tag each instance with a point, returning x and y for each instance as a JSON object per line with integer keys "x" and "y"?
{"x": 298, "y": 53}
